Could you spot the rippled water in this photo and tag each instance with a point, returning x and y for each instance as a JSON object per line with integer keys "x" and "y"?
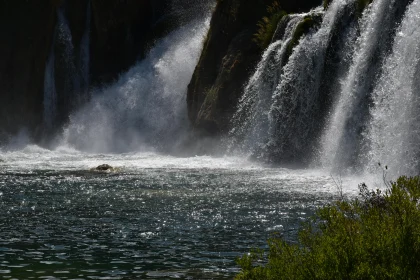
{"x": 158, "y": 217}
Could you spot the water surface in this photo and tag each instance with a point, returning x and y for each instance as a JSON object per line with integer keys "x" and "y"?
{"x": 158, "y": 217}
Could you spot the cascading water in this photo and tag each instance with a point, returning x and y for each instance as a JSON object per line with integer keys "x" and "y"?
{"x": 66, "y": 51}
{"x": 342, "y": 143}
{"x": 279, "y": 114}
{"x": 66, "y": 80}
{"x": 85, "y": 58}
{"x": 339, "y": 66}
{"x": 50, "y": 93}
{"x": 61, "y": 56}
{"x": 146, "y": 108}
{"x": 250, "y": 122}
{"x": 394, "y": 131}
{"x": 297, "y": 102}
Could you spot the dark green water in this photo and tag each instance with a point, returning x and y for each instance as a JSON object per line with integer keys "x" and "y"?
{"x": 158, "y": 218}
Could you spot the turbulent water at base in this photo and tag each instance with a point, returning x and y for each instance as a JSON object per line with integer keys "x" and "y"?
{"x": 146, "y": 108}
{"x": 346, "y": 99}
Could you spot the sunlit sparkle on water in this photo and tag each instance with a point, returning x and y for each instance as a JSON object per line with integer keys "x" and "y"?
{"x": 158, "y": 217}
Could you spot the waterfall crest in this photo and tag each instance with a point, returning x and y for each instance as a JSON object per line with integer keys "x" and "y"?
{"x": 297, "y": 100}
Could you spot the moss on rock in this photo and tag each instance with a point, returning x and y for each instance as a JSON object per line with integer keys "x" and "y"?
{"x": 301, "y": 29}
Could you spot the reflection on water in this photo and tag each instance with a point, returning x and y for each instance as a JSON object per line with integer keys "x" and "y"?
{"x": 160, "y": 217}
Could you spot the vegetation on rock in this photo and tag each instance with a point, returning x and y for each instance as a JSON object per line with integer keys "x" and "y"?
{"x": 376, "y": 236}
{"x": 301, "y": 29}
{"x": 268, "y": 25}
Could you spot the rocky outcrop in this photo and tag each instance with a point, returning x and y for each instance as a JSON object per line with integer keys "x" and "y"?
{"x": 229, "y": 57}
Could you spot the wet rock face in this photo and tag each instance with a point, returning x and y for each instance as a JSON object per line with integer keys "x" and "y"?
{"x": 228, "y": 59}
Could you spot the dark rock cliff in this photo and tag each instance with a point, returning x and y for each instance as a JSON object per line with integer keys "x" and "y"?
{"x": 229, "y": 57}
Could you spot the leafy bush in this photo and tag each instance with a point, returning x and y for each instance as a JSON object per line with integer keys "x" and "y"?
{"x": 376, "y": 236}
{"x": 268, "y": 25}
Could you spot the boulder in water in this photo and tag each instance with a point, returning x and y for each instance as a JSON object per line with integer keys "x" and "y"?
{"x": 104, "y": 168}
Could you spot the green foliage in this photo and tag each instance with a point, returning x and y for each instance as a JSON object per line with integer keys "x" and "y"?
{"x": 374, "y": 237}
{"x": 268, "y": 25}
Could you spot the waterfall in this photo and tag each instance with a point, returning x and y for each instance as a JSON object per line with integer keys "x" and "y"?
{"x": 66, "y": 81}
{"x": 50, "y": 93}
{"x": 346, "y": 97}
{"x": 145, "y": 108}
{"x": 297, "y": 100}
{"x": 67, "y": 53}
{"x": 343, "y": 144}
{"x": 394, "y": 130}
{"x": 250, "y": 122}
{"x": 282, "y": 107}
{"x": 85, "y": 58}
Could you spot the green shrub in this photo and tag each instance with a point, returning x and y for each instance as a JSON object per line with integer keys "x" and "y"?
{"x": 376, "y": 236}
{"x": 268, "y": 25}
